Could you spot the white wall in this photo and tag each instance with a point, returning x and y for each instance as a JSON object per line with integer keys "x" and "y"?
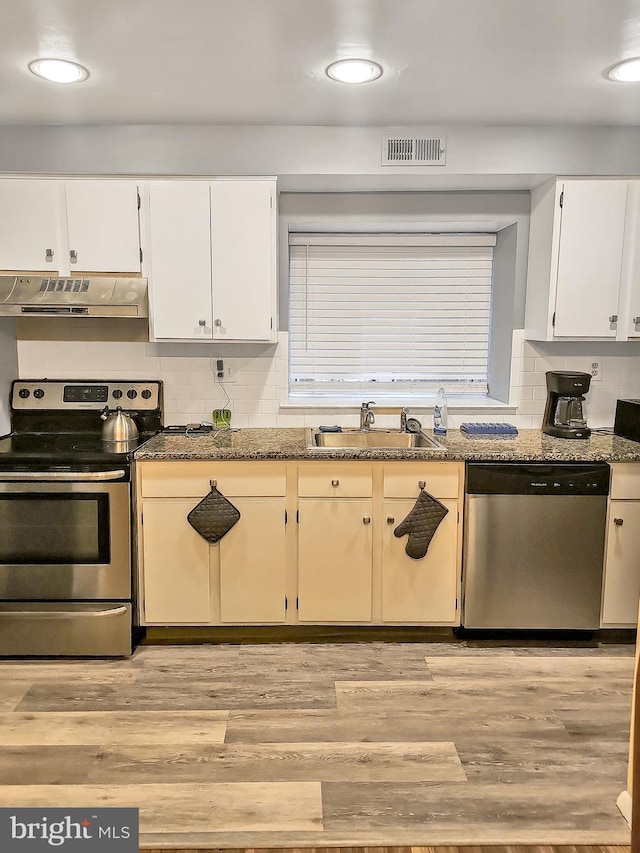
{"x": 191, "y": 391}
{"x": 323, "y": 158}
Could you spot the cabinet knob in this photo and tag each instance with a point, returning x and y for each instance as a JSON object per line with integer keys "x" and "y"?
{"x": 618, "y": 522}
{"x": 422, "y": 484}
{"x": 73, "y": 256}
{"x": 613, "y": 318}
{"x": 217, "y": 322}
{"x": 335, "y": 483}
{"x": 366, "y": 519}
{"x": 202, "y": 322}
{"x": 48, "y": 255}
{"x": 390, "y": 519}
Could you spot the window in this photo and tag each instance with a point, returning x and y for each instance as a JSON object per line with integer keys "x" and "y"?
{"x": 398, "y": 315}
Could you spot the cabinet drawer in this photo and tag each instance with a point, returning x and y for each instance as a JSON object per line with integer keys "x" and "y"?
{"x": 625, "y": 480}
{"x": 191, "y": 479}
{"x": 441, "y": 479}
{"x": 339, "y": 480}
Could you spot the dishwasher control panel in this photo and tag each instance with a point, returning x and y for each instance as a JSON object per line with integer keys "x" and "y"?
{"x": 537, "y": 478}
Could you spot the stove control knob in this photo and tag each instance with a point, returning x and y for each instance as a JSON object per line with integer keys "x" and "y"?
{"x": 132, "y": 393}
{"x": 146, "y": 394}
{"x": 24, "y": 393}
{"x": 117, "y": 394}
{"x": 38, "y": 393}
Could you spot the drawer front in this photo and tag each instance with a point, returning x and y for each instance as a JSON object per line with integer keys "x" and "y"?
{"x": 170, "y": 479}
{"x": 340, "y": 480}
{"x": 625, "y": 480}
{"x": 441, "y": 479}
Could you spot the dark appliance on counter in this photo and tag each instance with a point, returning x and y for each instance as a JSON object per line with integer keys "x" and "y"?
{"x": 564, "y": 414}
{"x": 627, "y": 419}
{"x": 66, "y": 585}
{"x": 533, "y": 551}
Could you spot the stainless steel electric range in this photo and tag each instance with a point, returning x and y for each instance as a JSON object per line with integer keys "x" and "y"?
{"x": 66, "y": 585}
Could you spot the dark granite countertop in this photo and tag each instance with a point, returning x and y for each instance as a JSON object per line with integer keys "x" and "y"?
{"x": 290, "y": 444}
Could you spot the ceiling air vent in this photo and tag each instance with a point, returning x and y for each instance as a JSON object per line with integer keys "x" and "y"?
{"x": 413, "y": 151}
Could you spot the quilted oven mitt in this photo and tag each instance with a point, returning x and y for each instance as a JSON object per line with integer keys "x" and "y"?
{"x": 421, "y": 524}
{"x": 213, "y": 516}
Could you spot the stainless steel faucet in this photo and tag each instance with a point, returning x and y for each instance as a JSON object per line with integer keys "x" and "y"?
{"x": 366, "y": 416}
{"x": 403, "y": 419}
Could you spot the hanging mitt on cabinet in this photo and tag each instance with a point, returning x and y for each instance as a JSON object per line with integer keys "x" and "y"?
{"x": 421, "y": 524}
{"x": 213, "y": 516}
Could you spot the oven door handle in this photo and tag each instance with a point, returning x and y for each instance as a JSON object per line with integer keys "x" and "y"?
{"x": 67, "y": 476}
{"x": 62, "y": 614}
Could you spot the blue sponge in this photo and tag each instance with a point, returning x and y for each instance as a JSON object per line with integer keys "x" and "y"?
{"x": 488, "y": 429}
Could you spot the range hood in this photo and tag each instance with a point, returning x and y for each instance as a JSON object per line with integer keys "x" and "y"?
{"x": 32, "y": 294}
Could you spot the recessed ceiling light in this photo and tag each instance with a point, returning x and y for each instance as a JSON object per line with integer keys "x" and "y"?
{"x": 354, "y": 70}
{"x": 625, "y": 72}
{"x": 59, "y": 70}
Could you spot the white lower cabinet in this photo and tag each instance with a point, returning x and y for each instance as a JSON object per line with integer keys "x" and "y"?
{"x": 314, "y": 544}
{"x": 184, "y": 580}
{"x": 177, "y": 575}
{"x": 621, "y": 588}
{"x": 335, "y": 552}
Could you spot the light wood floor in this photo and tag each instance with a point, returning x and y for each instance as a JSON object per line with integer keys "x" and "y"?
{"x": 309, "y": 746}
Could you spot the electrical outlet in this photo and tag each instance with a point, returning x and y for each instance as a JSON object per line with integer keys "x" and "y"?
{"x": 224, "y": 370}
{"x": 596, "y": 371}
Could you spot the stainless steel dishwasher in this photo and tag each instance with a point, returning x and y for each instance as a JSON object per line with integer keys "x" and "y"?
{"x": 534, "y": 545}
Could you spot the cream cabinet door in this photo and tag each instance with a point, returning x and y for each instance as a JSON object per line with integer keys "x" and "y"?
{"x": 252, "y": 563}
{"x": 30, "y": 217}
{"x": 334, "y": 560}
{"x": 103, "y": 226}
{"x": 622, "y": 565}
{"x": 424, "y": 590}
{"x": 175, "y": 565}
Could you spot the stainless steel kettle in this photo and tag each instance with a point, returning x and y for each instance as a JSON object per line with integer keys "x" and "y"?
{"x": 118, "y": 426}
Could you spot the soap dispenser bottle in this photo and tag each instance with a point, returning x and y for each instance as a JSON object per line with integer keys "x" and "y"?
{"x": 440, "y": 413}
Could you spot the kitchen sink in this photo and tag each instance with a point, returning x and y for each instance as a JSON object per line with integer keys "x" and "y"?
{"x": 375, "y": 439}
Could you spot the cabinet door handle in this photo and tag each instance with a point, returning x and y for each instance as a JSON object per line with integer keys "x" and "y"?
{"x": 613, "y": 318}
{"x": 390, "y": 519}
{"x": 618, "y": 522}
{"x": 422, "y": 484}
{"x": 48, "y": 255}
{"x": 335, "y": 483}
{"x": 217, "y": 322}
{"x": 202, "y": 322}
{"x": 73, "y": 256}
{"x": 366, "y": 519}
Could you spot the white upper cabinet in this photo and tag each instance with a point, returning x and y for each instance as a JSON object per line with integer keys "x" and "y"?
{"x": 577, "y": 252}
{"x": 211, "y": 259}
{"x": 243, "y": 265}
{"x": 103, "y": 227}
{"x": 179, "y": 260}
{"x": 68, "y": 226}
{"x": 29, "y": 232}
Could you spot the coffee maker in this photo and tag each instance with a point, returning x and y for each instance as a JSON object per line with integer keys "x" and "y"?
{"x": 564, "y": 414}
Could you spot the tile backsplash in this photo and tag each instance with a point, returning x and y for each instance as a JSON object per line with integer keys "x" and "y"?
{"x": 257, "y": 385}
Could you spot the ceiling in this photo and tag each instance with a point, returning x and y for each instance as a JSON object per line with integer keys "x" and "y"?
{"x": 261, "y": 62}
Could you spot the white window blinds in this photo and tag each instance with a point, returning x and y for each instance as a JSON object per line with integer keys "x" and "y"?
{"x": 397, "y": 314}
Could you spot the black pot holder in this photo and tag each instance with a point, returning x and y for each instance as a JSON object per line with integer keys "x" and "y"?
{"x": 213, "y": 516}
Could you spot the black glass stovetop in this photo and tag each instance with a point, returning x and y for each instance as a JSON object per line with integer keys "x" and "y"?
{"x": 48, "y": 451}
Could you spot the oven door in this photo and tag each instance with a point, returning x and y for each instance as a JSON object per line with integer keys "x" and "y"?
{"x": 64, "y": 541}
